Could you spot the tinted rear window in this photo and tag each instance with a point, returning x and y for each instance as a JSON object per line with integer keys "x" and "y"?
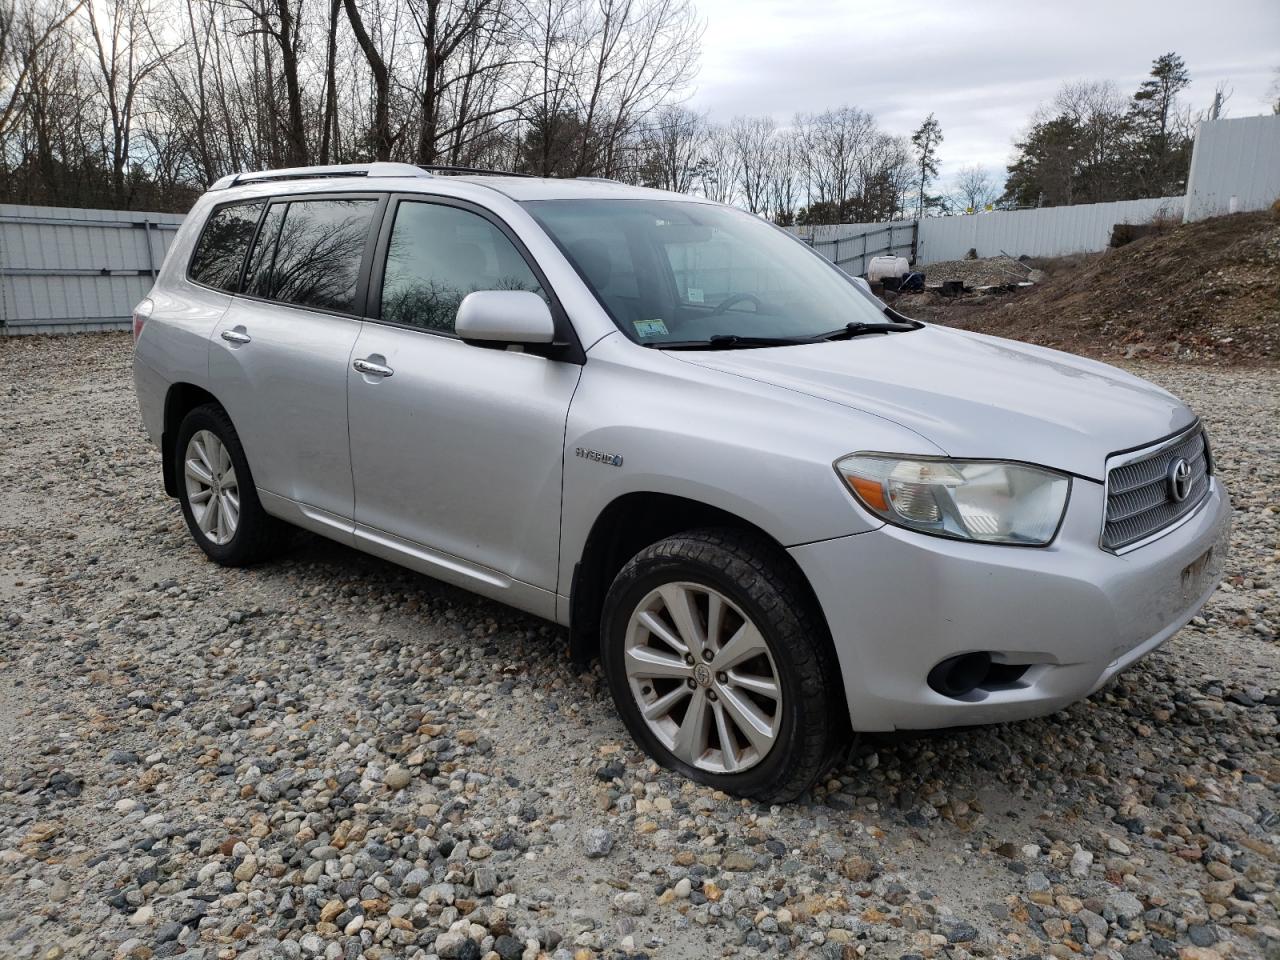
{"x": 257, "y": 278}
{"x": 220, "y": 251}
{"x": 318, "y": 251}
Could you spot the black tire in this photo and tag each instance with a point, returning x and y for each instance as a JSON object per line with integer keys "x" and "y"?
{"x": 749, "y": 570}
{"x": 257, "y": 533}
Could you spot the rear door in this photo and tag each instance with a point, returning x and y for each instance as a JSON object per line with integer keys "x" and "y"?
{"x": 457, "y": 450}
{"x": 279, "y": 355}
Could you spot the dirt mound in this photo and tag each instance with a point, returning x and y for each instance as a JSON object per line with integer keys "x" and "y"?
{"x": 1206, "y": 291}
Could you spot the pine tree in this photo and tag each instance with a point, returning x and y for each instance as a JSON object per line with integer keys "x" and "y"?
{"x": 926, "y": 140}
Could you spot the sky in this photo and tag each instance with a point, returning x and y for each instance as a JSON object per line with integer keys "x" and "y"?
{"x": 981, "y": 66}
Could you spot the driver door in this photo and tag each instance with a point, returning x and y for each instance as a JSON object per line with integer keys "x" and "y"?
{"x": 457, "y": 452}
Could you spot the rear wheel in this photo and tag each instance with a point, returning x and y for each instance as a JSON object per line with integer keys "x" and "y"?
{"x": 720, "y": 666}
{"x": 219, "y": 501}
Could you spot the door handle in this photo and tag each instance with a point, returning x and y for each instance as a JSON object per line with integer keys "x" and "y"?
{"x": 369, "y": 368}
{"x": 236, "y": 336}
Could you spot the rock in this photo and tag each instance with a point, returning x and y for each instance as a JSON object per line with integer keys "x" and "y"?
{"x": 1125, "y": 905}
{"x": 397, "y": 778}
{"x": 1081, "y": 861}
{"x": 485, "y": 880}
{"x": 247, "y": 870}
{"x": 597, "y": 842}
{"x": 858, "y": 869}
{"x": 1202, "y": 935}
{"x": 957, "y": 931}
{"x": 631, "y": 902}
{"x": 738, "y": 861}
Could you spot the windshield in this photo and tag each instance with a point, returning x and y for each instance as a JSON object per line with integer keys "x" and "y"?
{"x": 672, "y": 272}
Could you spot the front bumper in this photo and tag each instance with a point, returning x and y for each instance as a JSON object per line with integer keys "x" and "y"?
{"x": 899, "y": 602}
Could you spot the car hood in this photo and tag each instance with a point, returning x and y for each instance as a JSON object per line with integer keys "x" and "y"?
{"x": 973, "y": 395}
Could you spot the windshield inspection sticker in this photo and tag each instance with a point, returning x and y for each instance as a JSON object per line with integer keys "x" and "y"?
{"x": 650, "y": 328}
{"x": 695, "y": 295}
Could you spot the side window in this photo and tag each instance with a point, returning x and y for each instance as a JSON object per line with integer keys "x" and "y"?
{"x": 439, "y": 254}
{"x": 257, "y": 278}
{"x": 318, "y": 248}
{"x": 223, "y": 242}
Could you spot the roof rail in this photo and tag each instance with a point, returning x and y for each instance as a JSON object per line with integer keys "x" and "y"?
{"x": 599, "y": 179}
{"x": 484, "y": 171}
{"x": 380, "y": 169}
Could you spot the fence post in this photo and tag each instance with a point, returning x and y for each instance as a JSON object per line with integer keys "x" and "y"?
{"x": 4, "y": 305}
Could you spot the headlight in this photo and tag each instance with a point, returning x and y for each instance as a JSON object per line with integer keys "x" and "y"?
{"x": 965, "y": 499}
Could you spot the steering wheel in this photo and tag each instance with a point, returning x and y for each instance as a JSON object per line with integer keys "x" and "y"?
{"x": 728, "y": 302}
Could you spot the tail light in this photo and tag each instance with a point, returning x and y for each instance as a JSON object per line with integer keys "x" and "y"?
{"x": 140, "y": 314}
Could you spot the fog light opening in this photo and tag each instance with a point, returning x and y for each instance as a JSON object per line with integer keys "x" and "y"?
{"x": 959, "y": 676}
{"x": 974, "y": 675}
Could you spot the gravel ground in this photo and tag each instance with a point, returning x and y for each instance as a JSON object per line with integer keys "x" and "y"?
{"x": 978, "y": 273}
{"x": 333, "y": 757}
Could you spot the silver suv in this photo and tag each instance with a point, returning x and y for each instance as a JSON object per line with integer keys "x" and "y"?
{"x": 778, "y": 511}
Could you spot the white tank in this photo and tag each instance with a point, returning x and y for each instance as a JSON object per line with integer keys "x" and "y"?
{"x": 881, "y": 267}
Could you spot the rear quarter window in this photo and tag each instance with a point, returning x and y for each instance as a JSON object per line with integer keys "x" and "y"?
{"x": 224, "y": 242}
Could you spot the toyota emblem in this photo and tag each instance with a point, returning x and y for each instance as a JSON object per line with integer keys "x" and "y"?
{"x": 1179, "y": 480}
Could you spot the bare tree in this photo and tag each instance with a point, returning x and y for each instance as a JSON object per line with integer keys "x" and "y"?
{"x": 672, "y": 143}
{"x": 975, "y": 188}
{"x": 753, "y": 142}
{"x": 24, "y": 32}
{"x": 718, "y": 168}
{"x": 122, "y": 33}
{"x": 381, "y": 133}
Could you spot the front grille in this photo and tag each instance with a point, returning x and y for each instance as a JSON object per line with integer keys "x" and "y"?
{"x": 1139, "y": 501}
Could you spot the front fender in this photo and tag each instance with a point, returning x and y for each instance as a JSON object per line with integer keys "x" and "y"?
{"x": 643, "y": 422}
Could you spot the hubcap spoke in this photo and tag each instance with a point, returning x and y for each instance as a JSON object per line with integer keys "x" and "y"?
{"x": 665, "y": 703}
{"x": 765, "y": 686}
{"x": 743, "y": 645}
{"x": 680, "y": 604}
{"x": 209, "y": 516}
{"x": 647, "y": 663}
{"x": 197, "y": 471}
{"x": 691, "y": 739}
{"x": 659, "y": 630}
{"x": 229, "y": 510}
{"x": 746, "y": 716}
{"x": 728, "y": 746}
{"x": 715, "y": 618}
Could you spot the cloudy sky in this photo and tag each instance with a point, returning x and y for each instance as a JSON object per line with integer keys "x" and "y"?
{"x": 981, "y": 66}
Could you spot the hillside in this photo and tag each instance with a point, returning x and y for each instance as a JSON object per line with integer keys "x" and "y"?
{"x": 1204, "y": 292}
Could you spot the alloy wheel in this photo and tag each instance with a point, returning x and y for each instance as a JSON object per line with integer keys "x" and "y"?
{"x": 212, "y": 489}
{"x": 703, "y": 677}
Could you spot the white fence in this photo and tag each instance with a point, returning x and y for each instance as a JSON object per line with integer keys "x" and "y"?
{"x": 1237, "y": 158}
{"x": 1047, "y": 232}
{"x": 65, "y": 270}
{"x": 850, "y": 246}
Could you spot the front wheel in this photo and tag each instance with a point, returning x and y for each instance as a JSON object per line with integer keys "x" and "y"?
{"x": 721, "y": 667}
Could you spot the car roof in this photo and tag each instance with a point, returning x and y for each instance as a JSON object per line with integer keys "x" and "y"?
{"x": 403, "y": 177}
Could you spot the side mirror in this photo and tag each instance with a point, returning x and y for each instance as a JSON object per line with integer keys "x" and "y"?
{"x": 505, "y": 316}
{"x": 863, "y": 283}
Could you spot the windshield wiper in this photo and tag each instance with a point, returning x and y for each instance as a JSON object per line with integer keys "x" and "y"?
{"x": 733, "y": 341}
{"x": 858, "y": 329}
{"x": 729, "y": 341}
